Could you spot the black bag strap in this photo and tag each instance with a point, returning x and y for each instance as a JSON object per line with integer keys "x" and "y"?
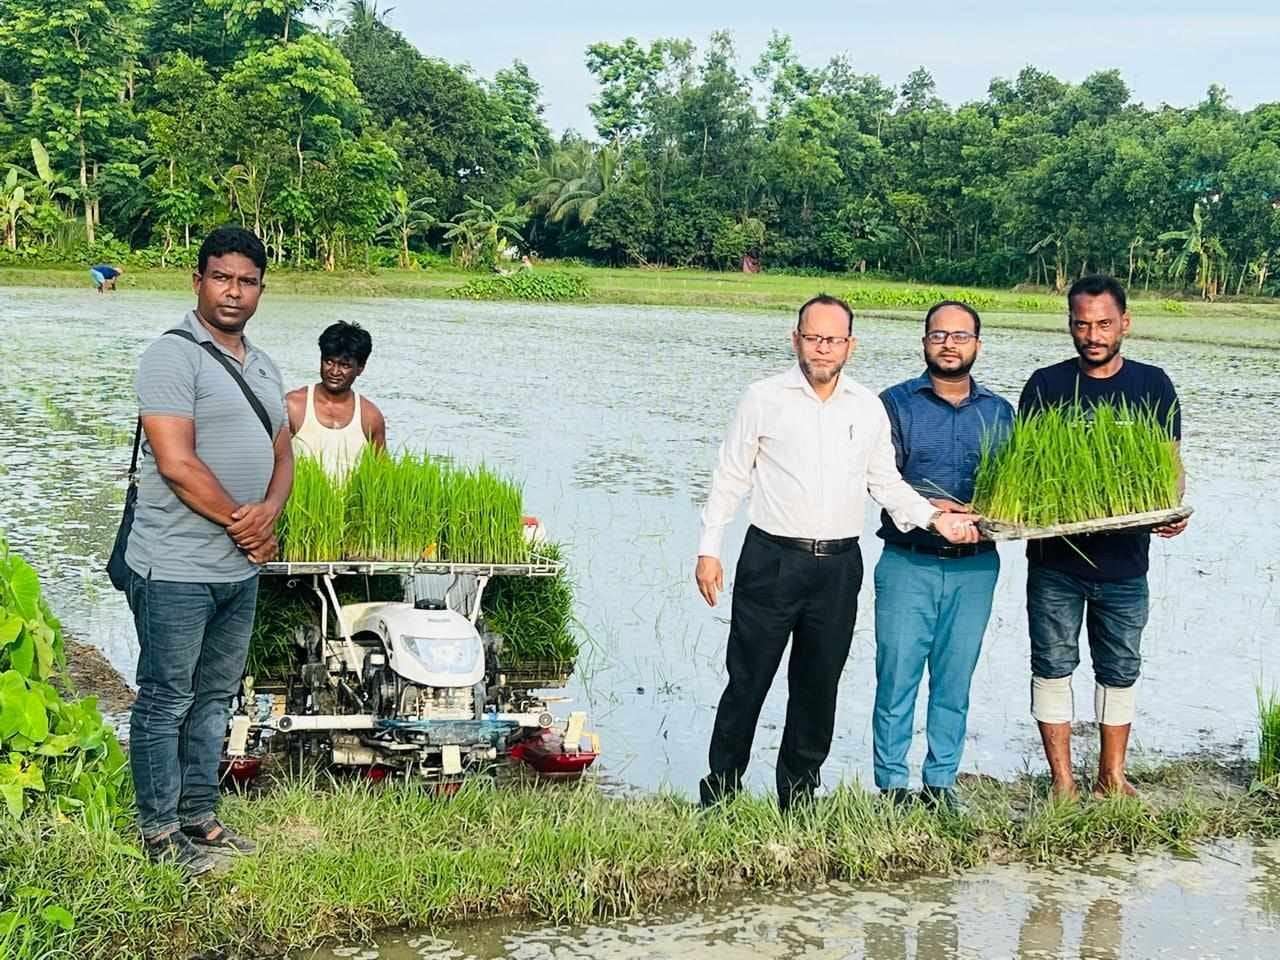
{"x": 249, "y": 395}
{"x": 133, "y": 461}
{"x": 227, "y": 365}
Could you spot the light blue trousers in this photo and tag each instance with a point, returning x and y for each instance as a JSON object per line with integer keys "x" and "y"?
{"x": 929, "y": 610}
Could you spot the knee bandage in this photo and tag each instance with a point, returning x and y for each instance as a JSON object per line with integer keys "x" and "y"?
{"x": 1114, "y": 706}
{"x": 1051, "y": 700}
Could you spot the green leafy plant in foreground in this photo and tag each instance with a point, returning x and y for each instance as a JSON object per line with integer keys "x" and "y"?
{"x": 1071, "y": 463}
{"x": 49, "y": 746}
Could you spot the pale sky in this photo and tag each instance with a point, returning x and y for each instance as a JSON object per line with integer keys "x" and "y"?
{"x": 1167, "y": 52}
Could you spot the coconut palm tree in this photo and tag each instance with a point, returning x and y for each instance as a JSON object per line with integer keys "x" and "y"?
{"x": 564, "y": 165}
{"x": 580, "y": 197}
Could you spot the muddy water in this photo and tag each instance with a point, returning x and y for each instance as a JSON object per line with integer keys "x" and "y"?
{"x": 610, "y": 416}
{"x": 1223, "y": 904}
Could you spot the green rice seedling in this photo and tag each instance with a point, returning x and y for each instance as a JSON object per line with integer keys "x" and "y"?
{"x": 393, "y": 507}
{"x": 1268, "y": 737}
{"x": 313, "y": 523}
{"x": 282, "y": 611}
{"x": 534, "y": 615}
{"x": 483, "y": 519}
{"x": 419, "y": 486}
{"x": 1068, "y": 463}
{"x": 405, "y": 507}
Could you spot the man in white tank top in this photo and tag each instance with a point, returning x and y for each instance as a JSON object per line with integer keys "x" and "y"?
{"x": 329, "y": 420}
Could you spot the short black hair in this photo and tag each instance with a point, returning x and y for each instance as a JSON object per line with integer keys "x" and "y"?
{"x": 232, "y": 239}
{"x": 941, "y": 304}
{"x": 827, "y": 301}
{"x": 1095, "y": 285}
{"x": 346, "y": 341}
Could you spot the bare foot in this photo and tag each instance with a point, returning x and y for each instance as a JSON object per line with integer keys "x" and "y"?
{"x": 1110, "y": 785}
{"x": 1064, "y": 790}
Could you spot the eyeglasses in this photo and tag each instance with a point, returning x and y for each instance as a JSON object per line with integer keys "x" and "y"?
{"x": 958, "y": 337}
{"x": 813, "y": 340}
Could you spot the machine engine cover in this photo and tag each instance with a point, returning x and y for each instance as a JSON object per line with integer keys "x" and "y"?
{"x": 432, "y": 648}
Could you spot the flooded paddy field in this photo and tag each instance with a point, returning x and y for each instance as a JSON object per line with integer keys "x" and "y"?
{"x": 1223, "y": 904}
{"x": 610, "y": 417}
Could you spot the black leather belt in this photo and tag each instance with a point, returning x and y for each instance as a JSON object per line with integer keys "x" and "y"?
{"x": 819, "y": 548}
{"x": 949, "y": 551}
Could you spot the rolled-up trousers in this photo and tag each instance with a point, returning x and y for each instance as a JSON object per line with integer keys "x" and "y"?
{"x": 782, "y": 593}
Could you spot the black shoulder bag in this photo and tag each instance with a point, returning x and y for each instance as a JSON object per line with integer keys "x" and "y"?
{"x": 117, "y": 569}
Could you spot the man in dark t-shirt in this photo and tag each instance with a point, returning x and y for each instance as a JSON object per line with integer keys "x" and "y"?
{"x": 105, "y": 276}
{"x": 1101, "y": 575}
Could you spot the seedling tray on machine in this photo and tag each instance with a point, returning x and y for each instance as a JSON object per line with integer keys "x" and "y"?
{"x": 536, "y": 567}
{"x": 999, "y": 530}
{"x": 540, "y": 674}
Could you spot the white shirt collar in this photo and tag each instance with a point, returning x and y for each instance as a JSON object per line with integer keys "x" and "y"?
{"x": 795, "y": 378}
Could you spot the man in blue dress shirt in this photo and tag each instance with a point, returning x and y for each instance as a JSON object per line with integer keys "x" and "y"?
{"x": 933, "y": 599}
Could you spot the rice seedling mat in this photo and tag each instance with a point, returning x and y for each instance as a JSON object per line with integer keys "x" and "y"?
{"x": 997, "y": 530}
{"x": 536, "y": 567}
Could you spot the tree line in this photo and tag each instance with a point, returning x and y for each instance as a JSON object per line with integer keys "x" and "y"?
{"x": 139, "y": 124}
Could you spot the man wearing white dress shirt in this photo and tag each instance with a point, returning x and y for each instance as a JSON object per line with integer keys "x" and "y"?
{"x": 808, "y": 444}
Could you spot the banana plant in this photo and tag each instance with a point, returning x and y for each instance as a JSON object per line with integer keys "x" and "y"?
{"x": 14, "y": 207}
{"x": 407, "y": 218}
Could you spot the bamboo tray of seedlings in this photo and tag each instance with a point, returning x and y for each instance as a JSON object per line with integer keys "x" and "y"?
{"x": 1070, "y": 470}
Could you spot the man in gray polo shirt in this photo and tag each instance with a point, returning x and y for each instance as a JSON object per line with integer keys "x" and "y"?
{"x": 212, "y": 483}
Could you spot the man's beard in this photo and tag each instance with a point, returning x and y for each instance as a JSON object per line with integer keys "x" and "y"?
{"x": 222, "y": 325}
{"x": 1090, "y": 361}
{"x": 943, "y": 373}
{"x": 821, "y": 375}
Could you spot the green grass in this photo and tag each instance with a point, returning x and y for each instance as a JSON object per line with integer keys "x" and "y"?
{"x": 1067, "y": 463}
{"x": 1237, "y": 323}
{"x": 1268, "y": 737}
{"x": 347, "y": 859}
{"x": 403, "y": 507}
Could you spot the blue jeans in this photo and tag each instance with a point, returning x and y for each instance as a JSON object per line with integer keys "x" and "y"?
{"x": 194, "y": 638}
{"x": 929, "y": 610}
{"x": 1116, "y": 615}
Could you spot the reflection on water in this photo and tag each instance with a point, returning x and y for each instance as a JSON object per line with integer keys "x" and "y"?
{"x": 1214, "y": 906}
{"x": 610, "y": 417}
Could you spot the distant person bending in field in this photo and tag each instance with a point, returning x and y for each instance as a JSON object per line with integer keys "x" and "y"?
{"x": 105, "y": 276}
{"x": 329, "y": 420}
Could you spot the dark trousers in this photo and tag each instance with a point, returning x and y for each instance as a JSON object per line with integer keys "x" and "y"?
{"x": 780, "y": 592}
{"x": 193, "y": 640}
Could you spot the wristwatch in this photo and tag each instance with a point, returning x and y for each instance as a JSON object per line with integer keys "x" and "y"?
{"x": 933, "y": 521}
